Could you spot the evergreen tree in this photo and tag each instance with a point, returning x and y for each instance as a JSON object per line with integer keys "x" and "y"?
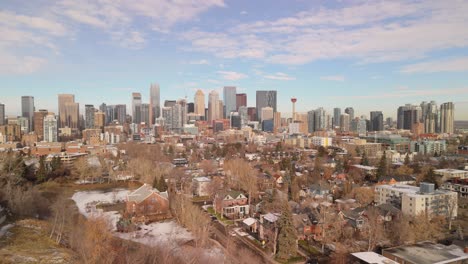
{"x": 338, "y": 166}
{"x": 431, "y": 177}
{"x": 156, "y": 183}
{"x": 162, "y": 184}
{"x": 382, "y": 169}
{"x": 407, "y": 161}
{"x": 364, "y": 160}
{"x": 287, "y": 237}
{"x": 41, "y": 174}
{"x": 322, "y": 152}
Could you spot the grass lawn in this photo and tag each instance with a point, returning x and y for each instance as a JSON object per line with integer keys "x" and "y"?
{"x": 308, "y": 248}
{"x": 111, "y": 207}
{"x": 218, "y": 216}
{"x": 295, "y": 259}
{"x": 30, "y": 243}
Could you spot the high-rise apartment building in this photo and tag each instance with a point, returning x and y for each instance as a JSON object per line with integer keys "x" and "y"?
{"x": 344, "y": 122}
{"x": 120, "y": 112}
{"x": 99, "y": 120}
{"x": 241, "y": 100}
{"x": 265, "y": 99}
{"x": 155, "y": 103}
{"x": 361, "y": 126}
{"x": 276, "y": 121}
{"x": 213, "y": 106}
{"x": 199, "y": 101}
{"x": 229, "y": 97}
{"x": 136, "y": 108}
{"x": 39, "y": 117}
{"x": 244, "y": 115}
{"x": 50, "y": 128}
{"x": 252, "y": 113}
{"x": 431, "y": 117}
{"x": 447, "y": 113}
{"x": 2, "y": 114}
{"x": 145, "y": 113}
{"x": 69, "y": 111}
{"x": 376, "y": 121}
{"x": 321, "y": 122}
{"x": 336, "y": 117}
{"x": 311, "y": 121}
{"x": 23, "y": 122}
{"x": 27, "y": 111}
{"x": 408, "y": 115}
{"x": 89, "y": 116}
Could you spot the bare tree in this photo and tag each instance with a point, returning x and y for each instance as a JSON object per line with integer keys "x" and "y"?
{"x": 373, "y": 229}
{"x": 93, "y": 241}
{"x": 364, "y": 195}
{"x": 450, "y": 206}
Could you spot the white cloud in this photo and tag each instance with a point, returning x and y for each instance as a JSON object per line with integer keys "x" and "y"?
{"x": 337, "y": 78}
{"x": 370, "y": 32}
{"x": 199, "y": 62}
{"x": 446, "y": 65}
{"x": 243, "y": 12}
{"x": 32, "y": 22}
{"x": 232, "y": 76}
{"x": 131, "y": 40}
{"x": 409, "y": 93}
{"x": 280, "y": 76}
{"x": 10, "y": 64}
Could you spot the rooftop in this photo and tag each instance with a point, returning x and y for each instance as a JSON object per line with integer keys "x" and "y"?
{"x": 374, "y": 258}
{"x": 429, "y": 253}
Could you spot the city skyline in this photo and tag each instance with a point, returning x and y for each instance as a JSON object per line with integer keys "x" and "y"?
{"x": 319, "y": 52}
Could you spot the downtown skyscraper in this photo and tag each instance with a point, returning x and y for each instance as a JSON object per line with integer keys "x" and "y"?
{"x": 213, "y": 106}
{"x": 89, "y": 116}
{"x": 69, "y": 112}
{"x": 336, "y": 116}
{"x": 155, "y": 103}
{"x": 2, "y": 114}
{"x": 447, "y": 113}
{"x": 136, "y": 108}
{"x": 27, "y": 110}
{"x": 230, "y": 98}
{"x": 376, "y": 121}
{"x": 199, "y": 101}
{"x": 265, "y": 99}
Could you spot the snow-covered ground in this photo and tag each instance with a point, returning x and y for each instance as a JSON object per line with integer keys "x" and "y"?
{"x": 168, "y": 232}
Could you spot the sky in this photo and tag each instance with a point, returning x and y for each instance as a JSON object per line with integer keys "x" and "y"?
{"x": 370, "y": 55}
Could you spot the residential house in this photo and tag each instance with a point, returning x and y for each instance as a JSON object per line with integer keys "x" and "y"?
{"x": 233, "y": 205}
{"x": 268, "y": 227}
{"x": 388, "y": 212}
{"x": 354, "y": 217}
{"x": 303, "y": 226}
{"x": 201, "y": 186}
{"x": 321, "y": 189}
{"x": 265, "y": 181}
{"x": 147, "y": 204}
{"x": 250, "y": 225}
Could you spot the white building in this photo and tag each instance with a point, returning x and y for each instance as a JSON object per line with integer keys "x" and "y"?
{"x": 200, "y": 186}
{"x": 448, "y": 174}
{"x": 414, "y": 200}
{"x": 50, "y": 128}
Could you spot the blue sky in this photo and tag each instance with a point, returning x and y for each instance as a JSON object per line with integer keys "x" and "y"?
{"x": 372, "y": 55}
